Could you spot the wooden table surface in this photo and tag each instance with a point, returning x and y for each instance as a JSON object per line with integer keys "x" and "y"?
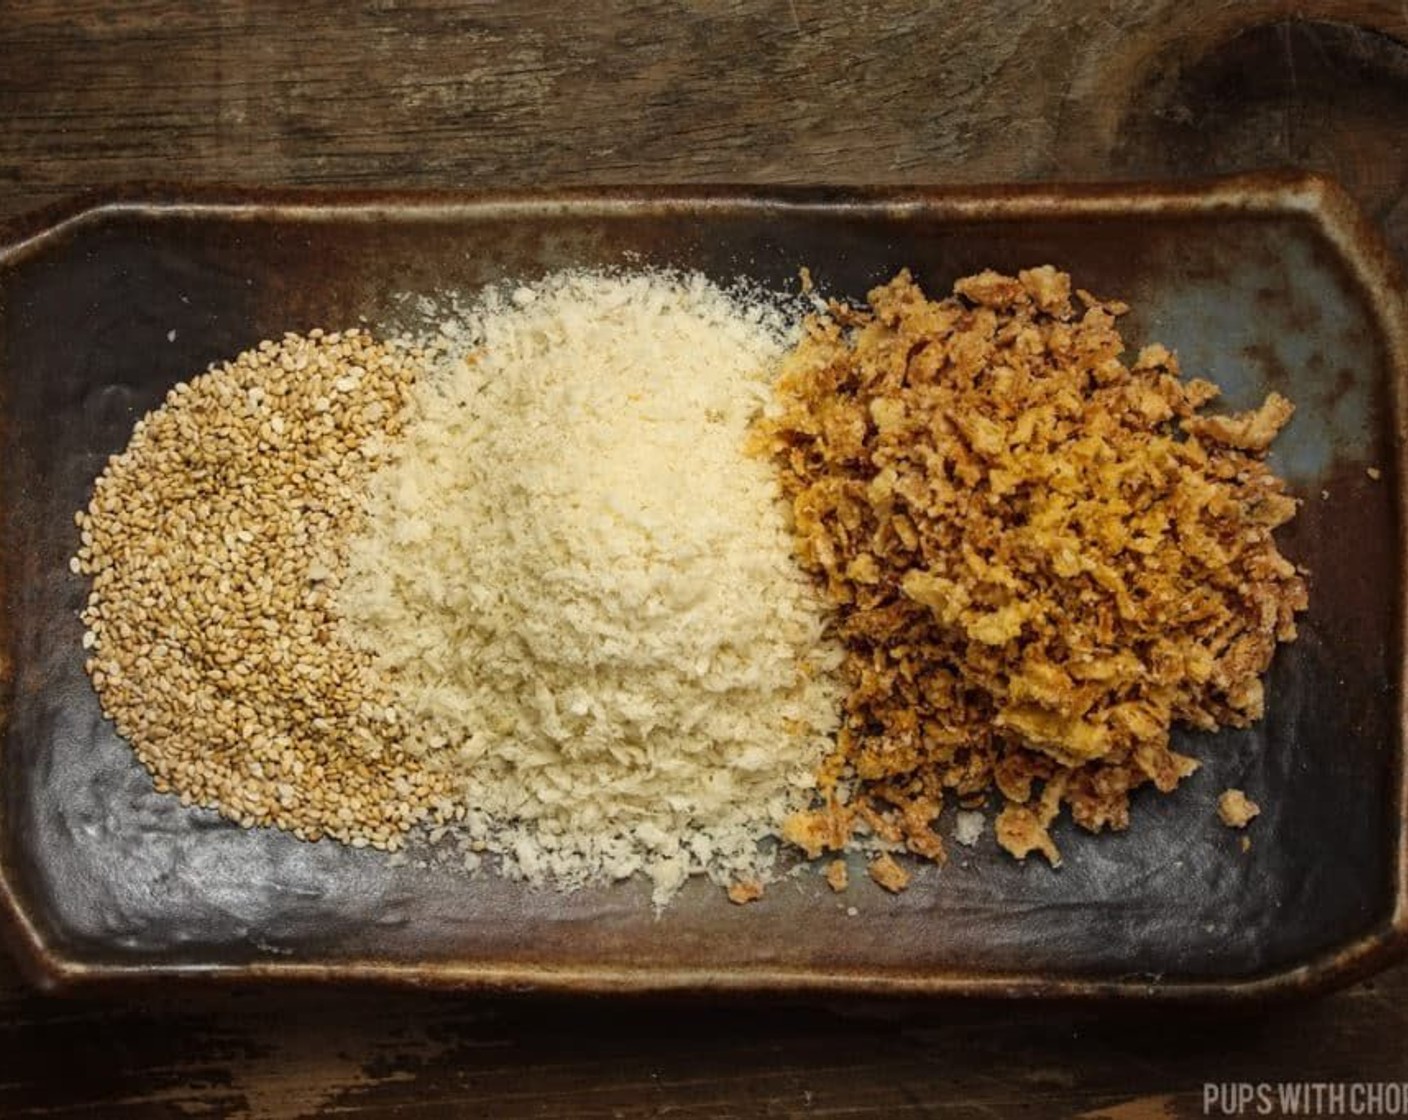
{"x": 422, "y": 93}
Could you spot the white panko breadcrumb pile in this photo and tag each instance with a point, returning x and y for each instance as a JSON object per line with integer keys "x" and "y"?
{"x": 583, "y": 594}
{"x": 625, "y": 574}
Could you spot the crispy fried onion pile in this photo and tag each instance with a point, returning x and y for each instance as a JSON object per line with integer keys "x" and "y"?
{"x": 1041, "y": 557}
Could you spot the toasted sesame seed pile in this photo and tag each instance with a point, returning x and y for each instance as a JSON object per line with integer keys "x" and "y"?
{"x": 216, "y": 543}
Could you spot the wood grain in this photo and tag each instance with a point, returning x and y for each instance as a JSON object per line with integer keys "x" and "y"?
{"x": 295, "y": 1054}
{"x": 420, "y": 93}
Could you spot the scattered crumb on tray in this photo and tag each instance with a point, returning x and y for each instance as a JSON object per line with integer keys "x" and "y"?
{"x": 745, "y": 891}
{"x": 837, "y": 876}
{"x": 968, "y": 826}
{"x": 1236, "y": 809}
{"x": 889, "y": 874}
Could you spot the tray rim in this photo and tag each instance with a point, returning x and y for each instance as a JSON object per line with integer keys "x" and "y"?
{"x": 1357, "y": 241}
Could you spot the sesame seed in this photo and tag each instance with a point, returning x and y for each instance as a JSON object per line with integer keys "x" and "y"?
{"x": 200, "y": 539}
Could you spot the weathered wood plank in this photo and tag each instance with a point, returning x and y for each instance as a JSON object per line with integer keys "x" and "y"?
{"x": 483, "y": 93}
{"x": 302, "y": 1052}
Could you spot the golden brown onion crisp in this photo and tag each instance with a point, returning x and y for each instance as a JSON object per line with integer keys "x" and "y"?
{"x": 1041, "y": 556}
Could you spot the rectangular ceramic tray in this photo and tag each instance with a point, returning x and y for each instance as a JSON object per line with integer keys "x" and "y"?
{"x": 1257, "y": 283}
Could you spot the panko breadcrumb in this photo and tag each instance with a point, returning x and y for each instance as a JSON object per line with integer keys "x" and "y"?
{"x": 1041, "y": 557}
{"x": 584, "y": 589}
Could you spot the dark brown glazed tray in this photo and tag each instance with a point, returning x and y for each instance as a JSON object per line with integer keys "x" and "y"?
{"x": 1258, "y": 283}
